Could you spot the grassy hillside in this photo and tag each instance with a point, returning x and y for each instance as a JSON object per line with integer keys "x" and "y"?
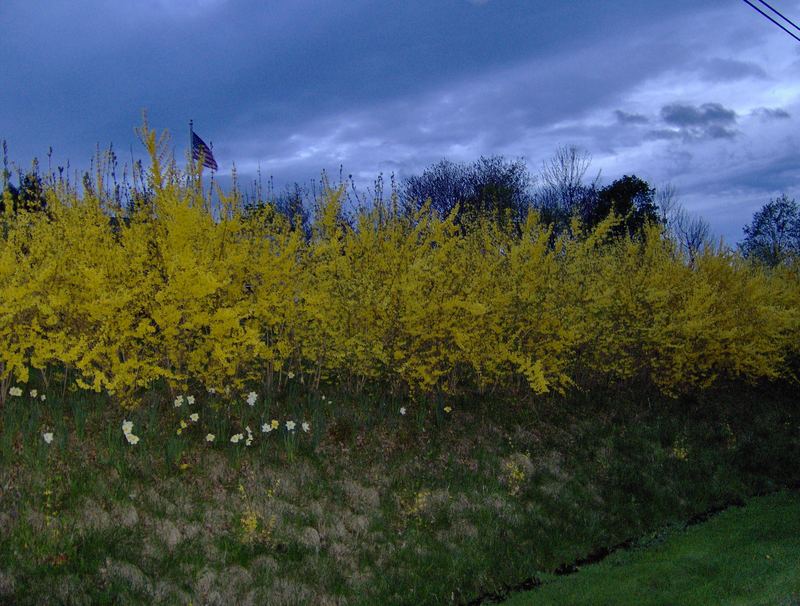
{"x": 745, "y": 555}
{"x": 371, "y": 508}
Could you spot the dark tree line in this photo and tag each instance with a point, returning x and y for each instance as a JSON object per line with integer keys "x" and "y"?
{"x": 493, "y": 187}
{"x": 496, "y": 187}
{"x": 489, "y": 187}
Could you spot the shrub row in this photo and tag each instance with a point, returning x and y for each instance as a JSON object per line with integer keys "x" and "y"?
{"x": 172, "y": 292}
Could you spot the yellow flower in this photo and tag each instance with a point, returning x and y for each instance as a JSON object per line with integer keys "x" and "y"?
{"x": 448, "y": 409}
{"x": 275, "y": 424}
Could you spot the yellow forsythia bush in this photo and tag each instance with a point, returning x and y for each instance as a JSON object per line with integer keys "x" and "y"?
{"x": 175, "y": 292}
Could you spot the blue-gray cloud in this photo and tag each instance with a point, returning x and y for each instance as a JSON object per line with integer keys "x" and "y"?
{"x": 726, "y": 70}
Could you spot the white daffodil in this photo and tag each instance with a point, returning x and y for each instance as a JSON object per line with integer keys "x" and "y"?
{"x": 236, "y": 437}
{"x": 212, "y": 391}
{"x": 194, "y": 417}
{"x": 290, "y": 374}
{"x": 132, "y": 439}
{"x": 34, "y": 393}
{"x": 48, "y": 436}
{"x": 290, "y": 425}
{"x": 15, "y": 391}
{"x": 402, "y": 410}
{"x": 266, "y": 428}
{"x": 306, "y": 426}
{"x": 178, "y": 402}
{"x": 190, "y": 399}
{"x": 43, "y": 398}
{"x": 251, "y": 398}
{"x": 210, "y": 437}
{"x": 127, "y": 427}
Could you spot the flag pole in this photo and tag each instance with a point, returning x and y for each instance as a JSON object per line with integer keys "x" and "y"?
{"x": 191, "y": 145}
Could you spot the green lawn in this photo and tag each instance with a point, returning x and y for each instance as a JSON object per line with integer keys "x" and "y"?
{"x": 748, "y": 555}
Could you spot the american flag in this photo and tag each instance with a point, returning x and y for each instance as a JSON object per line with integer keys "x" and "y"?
{"x": 199, "y": 148}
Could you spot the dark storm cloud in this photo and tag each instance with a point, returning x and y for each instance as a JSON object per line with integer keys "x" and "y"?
{"x": 84, "y": 70}
{"x": 768, "y": 113}
{"x": 630, "y": 118}
{"x": 693, "y": 123}
{"x": 718, "y": 131}
{"x": 683, "y": 115}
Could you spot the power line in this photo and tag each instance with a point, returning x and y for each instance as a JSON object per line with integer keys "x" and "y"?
{"x": 771, "y": 19}
{"x": 781, "y": 15}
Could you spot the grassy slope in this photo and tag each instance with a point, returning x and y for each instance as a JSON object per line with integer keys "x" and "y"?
{"x": 374, "y": 508}
{"x": 748, "y": 555}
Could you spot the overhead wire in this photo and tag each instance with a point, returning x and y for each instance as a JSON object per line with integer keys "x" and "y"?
{"x": 780, "y": 14}
{"x": 770, "y": 18}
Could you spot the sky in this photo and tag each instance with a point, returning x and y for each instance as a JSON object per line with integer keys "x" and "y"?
{"x": 702, "y": 95}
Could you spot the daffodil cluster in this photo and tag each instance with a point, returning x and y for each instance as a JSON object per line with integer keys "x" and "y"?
{"x": 127, "y": 430}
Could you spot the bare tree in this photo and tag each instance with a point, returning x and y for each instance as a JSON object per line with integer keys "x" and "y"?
{"x": 562, "y": 176}
{"x": 691, "y": 232}
{"x": 562, "y": 192}
{"x": 667, "y": 201}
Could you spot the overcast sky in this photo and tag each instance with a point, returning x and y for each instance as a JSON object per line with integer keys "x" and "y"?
{"x": 701, "y": 94}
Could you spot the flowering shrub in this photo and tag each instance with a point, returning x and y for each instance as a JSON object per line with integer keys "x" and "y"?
{"x": 172, "y": 292}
